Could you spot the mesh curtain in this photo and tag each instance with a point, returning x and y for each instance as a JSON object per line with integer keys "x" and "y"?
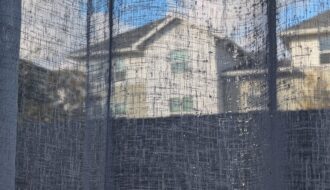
{"x": 164, "y": 94}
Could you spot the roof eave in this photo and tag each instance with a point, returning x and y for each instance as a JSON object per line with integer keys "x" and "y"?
{"x": 257, "y": 73}
{"x": 135, "y": 48}
{"x": 305, "y": 31}
{"x": 162, "y": 25}
{"x": 103, "y": 54}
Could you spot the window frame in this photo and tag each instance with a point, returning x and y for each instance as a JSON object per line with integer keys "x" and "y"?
{"x": 183, "y": 105}
{"x": 187, "y": 104}
{"x": 179, "y": 62}
{"x": 123, "y": 109}
{"x": 120, "y": 73}
{"x": 178, "y": 104}
{"x": 324, "y": 48}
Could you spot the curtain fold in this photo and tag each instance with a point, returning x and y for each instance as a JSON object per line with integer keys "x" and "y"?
{"x": 164, "y": 94}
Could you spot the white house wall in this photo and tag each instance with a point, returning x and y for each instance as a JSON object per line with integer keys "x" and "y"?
{"x": 130, "y": 90}
{"x": 225, "y": 62}
{"x": 308, "y": 92}
{"x": 153, "y": 69}
{"x": 305, "y": 51}
{"x": 201, "y": 83}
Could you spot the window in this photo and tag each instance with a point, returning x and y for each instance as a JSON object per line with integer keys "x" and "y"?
{"x": 179, "y": 61}
{"x": 325, "y": 58}
{"x": 175, "y": 104}
{"x": 185, "y": 104}
{"x": 120, "y": 109}
{"x": 119, "y": 70}
{"x": 325, "y": 50}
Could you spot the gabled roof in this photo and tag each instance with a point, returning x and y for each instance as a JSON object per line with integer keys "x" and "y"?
{"x": 128, "y": 41}
{"x": 320, "y": 20}
{"x": 319, "y": 24}
{"x": 135, "y": 40}
{"x": 129, "y": 38}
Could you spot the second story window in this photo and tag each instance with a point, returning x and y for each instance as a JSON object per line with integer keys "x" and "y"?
{"x": 179, "y": 61}
{"x": 119, "y": 70}
{"x": 325, "y": 50}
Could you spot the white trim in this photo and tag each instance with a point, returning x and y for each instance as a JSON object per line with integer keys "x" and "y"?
{"x": 152, "y": 32}
{"x": 248, "y": 72}
{"x": 309, "y": 31}
{"x": 134, "y": 45}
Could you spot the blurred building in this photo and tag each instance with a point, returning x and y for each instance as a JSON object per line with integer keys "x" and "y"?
{"x": 167, "y": 67}
{"x": 303, "y": 82}
{"x": 309, "y": 46}
{"x": 246, "y": 89}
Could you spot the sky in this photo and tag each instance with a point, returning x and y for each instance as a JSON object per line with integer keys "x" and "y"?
{"x": 240, "y": 20}
{"x": 51, "y": 29}
{"x": 140, "y": 12}
{"x": 131, "y": 12}
{"x": 290, "y": 12}
{"x": 293, "y": 12}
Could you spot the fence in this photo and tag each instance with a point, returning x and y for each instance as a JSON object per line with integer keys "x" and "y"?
{"x": 231, "y": 151}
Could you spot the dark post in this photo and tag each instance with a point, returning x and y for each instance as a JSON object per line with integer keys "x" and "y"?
{"x": 108, "y": 182}
{"x": 87, "y": 158}
{"x": 271, "y": 55}
{"x": 10, "y": 28}
{"x": 274, "y": 154}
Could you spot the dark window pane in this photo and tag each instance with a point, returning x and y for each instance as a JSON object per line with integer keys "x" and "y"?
{"x": 324, "y": 43}
{"x": 120, "y": 76}
{"x": 325, "y": 58}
